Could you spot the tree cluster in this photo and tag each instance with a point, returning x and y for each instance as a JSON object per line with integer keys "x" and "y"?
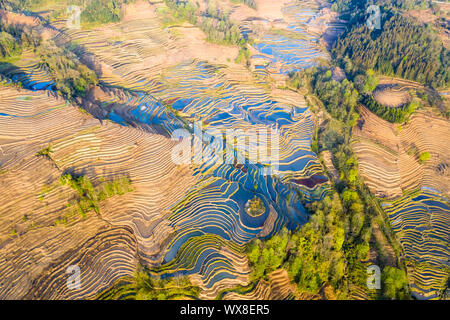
{"x": 402, "y": 48}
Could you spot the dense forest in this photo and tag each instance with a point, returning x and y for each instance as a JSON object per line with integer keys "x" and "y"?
{"x": 218, "y": 27}
{"x": 72, "y": 77}
{"x": 345, "y": 6}
{"x": 402, "y": 48}
{"x": 298, "y": 251}
{"x": 327, "y": 250}
{"x": 331, "y": 247}
{"x": 340, "y": 98}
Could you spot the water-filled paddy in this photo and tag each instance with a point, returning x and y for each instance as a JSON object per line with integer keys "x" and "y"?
{"x": 295, "y": 49}
{"x": 421, "y": 223}
{"x": 215, "y": 206}
{"x": 210, "y": 221}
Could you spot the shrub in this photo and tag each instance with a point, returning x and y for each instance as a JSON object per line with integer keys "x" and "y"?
{"x": 89, "y": 196}
{"x": 395, "y": 283}
{"x": 424, "y": 156}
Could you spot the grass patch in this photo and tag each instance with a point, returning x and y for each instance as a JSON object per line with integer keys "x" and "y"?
{"x": 45, "y": 152}
{"x": 424, "y": 157}
{"x": 145, "y": 287}
{"x": 13, "y": 232}
{"x": 89, "y": 197}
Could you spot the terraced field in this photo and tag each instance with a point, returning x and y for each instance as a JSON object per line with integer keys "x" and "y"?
{"x": 104, "y": 246}
{"x": 227, "y": 107}
{"x": 389, "y": 154}
{"x": 29, "y": 72}
{"x": 187, "y": 219}
{"x": 278, "y": 287}
{"x": 392, "y": 96}
{"x": 389, "y": 162}
{"x": 289, "y": 43}
{"x": 421, "y": 221}
{"x": 191, "y": 217}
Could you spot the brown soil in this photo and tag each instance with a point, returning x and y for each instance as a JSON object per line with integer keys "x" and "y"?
{"x": 18, "y": 19}
{"x": 36, "y": 245}
{"x": 388, "y": 154}
{"x": 390, "y": 97}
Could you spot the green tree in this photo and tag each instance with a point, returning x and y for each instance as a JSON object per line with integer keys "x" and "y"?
{"x": 424, "y": 157}
{"x": 395, "y": 283}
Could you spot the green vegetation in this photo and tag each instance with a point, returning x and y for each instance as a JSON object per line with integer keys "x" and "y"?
{"x": 179, "y": 11}
{"x": 219, "y": 29}
{"x": 394, "y": 283}
{"x": 362, "y": 211}
{"x": 354, "y": 10}
{"x": 402, "y": 48}
{"x": 214, "y": 22}
{"x": 424, "y": 157}
{"x": 366, "y": 83}
{"x": 412, "y": 150}
{"x": 413, "y": 4}
{"x": 8, "y": 46}
{"x": 394, "y": 115}
{"x": 145, "y": 287}
{"x": 333, "y": 246}
{"x": 88, "y": 196}
{"x": 13, "y": 40}
{"x": 243, "y": 56}
{"x": 312, "y": 255}
{"x": 92, "y": 12}
{"x": 329, "y": 249}
{"x": 72, "y": 77}
{"x": 45, "y": 152}
{"x": 339, "y": 98}
{"x": 16, "y": 5}
{"x": 13, "y": 232}
{"x": 315, "y": 141}
{"x": 103, "y": 11}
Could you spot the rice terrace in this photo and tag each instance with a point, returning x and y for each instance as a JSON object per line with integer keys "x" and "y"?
{"x": 224, "y": 150}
